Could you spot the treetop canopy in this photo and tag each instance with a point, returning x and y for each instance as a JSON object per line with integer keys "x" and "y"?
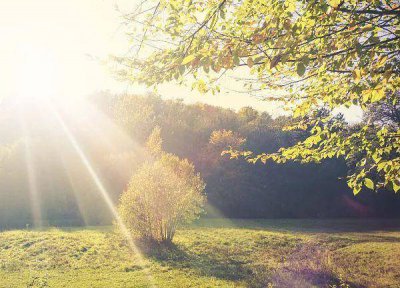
{"x": 324, "y": 54}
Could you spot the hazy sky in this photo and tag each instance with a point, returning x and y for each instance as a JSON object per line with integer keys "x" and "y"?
{"x": 52, "y": 45}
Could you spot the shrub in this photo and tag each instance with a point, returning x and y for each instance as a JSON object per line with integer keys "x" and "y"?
{"x": 162, "y": 196}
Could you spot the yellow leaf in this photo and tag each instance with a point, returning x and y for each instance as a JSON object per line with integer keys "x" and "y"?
{"x": 381, "y": 61}
{"x": 369, "y": 184}
{"x": 356, "y": 75}
{"x": 334, "y": 3}
{"x": 188, "y": 59}
{"x": 377, "y": 94}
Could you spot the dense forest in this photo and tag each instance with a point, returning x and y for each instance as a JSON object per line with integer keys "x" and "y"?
{"x": 65, "y": 193}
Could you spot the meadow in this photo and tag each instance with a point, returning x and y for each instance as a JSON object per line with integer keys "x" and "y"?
{"x": 209, "y": 253}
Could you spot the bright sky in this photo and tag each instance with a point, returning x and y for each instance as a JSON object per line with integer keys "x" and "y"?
{"x": 51, "y": 46}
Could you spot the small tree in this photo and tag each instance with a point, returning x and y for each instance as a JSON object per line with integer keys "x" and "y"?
{"x": 162, "y": 196}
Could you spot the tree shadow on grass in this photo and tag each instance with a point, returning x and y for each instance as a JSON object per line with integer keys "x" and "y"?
{"x": 310, "y": 265}
{"x": 305, "y": 277}
{"x": 178, "y": 257}
{"x": 228, "y": 268}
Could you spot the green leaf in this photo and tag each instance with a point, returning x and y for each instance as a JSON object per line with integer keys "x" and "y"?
{"x": 301, "y": 69}
{"x": 305, "y": 60}
{"x": 259, "y": 59}
{"x": 188, "y": 59}
{"x": 236, "y": 59}
{"x": 222, "y": 13}
{"x": 369, "y": 184}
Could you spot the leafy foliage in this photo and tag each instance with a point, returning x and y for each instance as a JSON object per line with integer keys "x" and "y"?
{"x": 162, "y": 196}
{"x": 329, "y": 54}
{"x": 154, "y": 142}
{"x": 226, "y": 138}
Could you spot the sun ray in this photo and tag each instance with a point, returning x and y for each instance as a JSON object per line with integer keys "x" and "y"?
{"x": 82, "y": 112}
{"x": 118, "y": 140}
{"x": 77, "y": 197}
{"x": 31, "y": 173}
{"x": 100, "y": 187}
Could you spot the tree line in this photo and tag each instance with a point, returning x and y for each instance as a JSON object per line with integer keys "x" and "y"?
{"x": 197, "y": 132}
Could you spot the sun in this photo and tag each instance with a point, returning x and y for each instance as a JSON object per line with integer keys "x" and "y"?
{"x": 36, "y": 74}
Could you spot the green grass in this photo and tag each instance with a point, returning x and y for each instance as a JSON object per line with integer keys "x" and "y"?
{"x": 211, "y": 253}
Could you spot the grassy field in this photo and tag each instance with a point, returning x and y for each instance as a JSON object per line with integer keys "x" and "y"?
{"x": 211, "y": 253}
